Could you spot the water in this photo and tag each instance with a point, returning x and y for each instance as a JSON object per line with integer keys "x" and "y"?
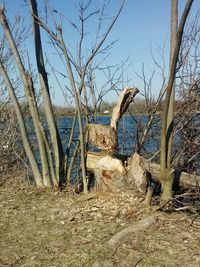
{"x": 128, "y": 130}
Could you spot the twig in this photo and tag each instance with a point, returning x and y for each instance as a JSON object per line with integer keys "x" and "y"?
{"x": 187, "y": 194}
{"x": 160, "y": 208}
{"x": 190, "y": 208}
{"x": 138, "y": 262}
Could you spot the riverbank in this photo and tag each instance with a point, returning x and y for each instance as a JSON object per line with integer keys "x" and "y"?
{"x": 52, "y": 228}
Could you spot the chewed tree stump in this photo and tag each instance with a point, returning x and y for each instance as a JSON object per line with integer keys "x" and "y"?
{"x": 113, "y": 174}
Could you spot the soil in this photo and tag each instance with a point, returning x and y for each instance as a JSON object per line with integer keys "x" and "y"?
{"x": 52, "y": 228}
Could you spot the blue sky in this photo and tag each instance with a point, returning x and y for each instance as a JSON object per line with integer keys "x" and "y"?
{"x": 141, "y": 25}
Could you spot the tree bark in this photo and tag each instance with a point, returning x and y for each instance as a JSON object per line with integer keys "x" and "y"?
{"x": 170, "y": 117}
{"x": 167, "y": 185}
{"x": 56, "y": 141}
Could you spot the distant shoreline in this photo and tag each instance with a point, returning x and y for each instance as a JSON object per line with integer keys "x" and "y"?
{"x": 125, "y": 114}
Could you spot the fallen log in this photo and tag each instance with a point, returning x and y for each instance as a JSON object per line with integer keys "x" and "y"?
{"x": 184, "y": 179}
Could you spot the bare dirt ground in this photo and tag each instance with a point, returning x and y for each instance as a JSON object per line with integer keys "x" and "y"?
{"x": 51, "y": 228}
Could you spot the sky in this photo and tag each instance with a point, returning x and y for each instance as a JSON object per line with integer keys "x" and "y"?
{"x": 142, "y": 29}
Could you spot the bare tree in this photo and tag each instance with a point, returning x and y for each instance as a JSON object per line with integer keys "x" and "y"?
{"x": 166, "y": 131}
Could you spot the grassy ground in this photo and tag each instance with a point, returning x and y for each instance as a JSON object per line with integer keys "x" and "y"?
{"x": 49, "y": 228}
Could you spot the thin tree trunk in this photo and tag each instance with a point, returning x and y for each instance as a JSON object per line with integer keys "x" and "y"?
{"x": 170, "y": 117}
{"x": 56, "y": 141}
{"x": 72, "y": 160}
{"x": 78, "y": 106}
{"x": 167, "y": 185}
{"x": 25, "y": 140}
{"x": 164, "y": 131}
{"x": 50, "y": 158}
{"x": 69, "y": 145}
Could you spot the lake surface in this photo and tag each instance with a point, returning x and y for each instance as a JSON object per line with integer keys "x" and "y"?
{"x": 127, "y": 132}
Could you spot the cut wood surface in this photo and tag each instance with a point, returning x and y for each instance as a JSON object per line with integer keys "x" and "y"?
{"x": 111, "y": 171}
{"x": 103, "y": 161}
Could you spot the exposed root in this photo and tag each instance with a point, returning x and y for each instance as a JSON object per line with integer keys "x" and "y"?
{"x": 135, "y": 228}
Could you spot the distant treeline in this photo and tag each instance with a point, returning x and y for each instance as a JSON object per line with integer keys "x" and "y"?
{"x": 139, "y": 106}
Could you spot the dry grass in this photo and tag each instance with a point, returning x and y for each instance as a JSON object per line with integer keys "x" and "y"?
{"x": 49, "y": 228}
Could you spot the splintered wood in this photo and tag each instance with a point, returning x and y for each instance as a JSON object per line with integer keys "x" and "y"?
{"x": 125, "y": 99}
{"x": 102, "y": 136}
{"x": 105, "y": 136}
{"x": 137, "y": 174}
